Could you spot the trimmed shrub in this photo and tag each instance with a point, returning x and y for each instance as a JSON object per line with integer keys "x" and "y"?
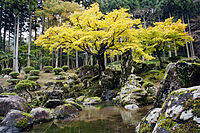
{"x": 65, "y": 68}
{"x": 34, "y": 72}
{"x": 14, "y": 74}
{"x": 7, "y": 71}
{"x": 148, "y": 84}
{"x": 13, "y": 81}
{"x": 28, "y": 69}
{"x": 26, "y": 85}
{"x": 47, "y": 69}
{"x": 57, "y": 70}
{"x": 34, "y": 78}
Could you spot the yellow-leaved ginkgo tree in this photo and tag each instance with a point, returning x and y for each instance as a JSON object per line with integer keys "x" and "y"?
{"x": 97, "y": 34}
{"x": 163, "y": 36}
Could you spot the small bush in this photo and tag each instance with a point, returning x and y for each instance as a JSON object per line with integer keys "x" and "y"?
{"x": 14, "y": 74}
{"x": 47, "y": 69}
{"x": 28, "y": 69}
{"x": 34, "y": 78}
{"x": 65, "y": 68}
{"x": 34, "y": 72}
{"x": 57, "y": 70}
{"x": 13, "y": 81}
{"x": 148, "y": 84}
{"x": 7, "y": 71}
{"x": 26, "y": 85}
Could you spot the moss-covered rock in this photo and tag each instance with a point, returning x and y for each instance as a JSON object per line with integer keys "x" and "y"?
{"x": 179, "y": 113}
{"x": 133, "y": 93}
{"x": 178, "y": 75}
{"x": 65, "y": 111}
{"x": 80, "y": 99}
{"x": 41, "y": 115}
{"x": 17, "y": 119}
{"x": 9, "y": 102}
{"x": 92, "y": 101}
{"x": 78, "y": 106}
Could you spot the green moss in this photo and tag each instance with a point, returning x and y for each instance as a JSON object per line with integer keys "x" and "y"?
{"x": 14, "y": 74}
{"x": 23, "y": 122}
{"x": 13, "y": 94}
{"x": 13, "y": 81}
{"x": 28, "y": 69}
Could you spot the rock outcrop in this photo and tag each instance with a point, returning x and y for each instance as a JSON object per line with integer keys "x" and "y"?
{"x": 40, "y": 114}
{"x": 92, "y": 101}
{"x": 180, "y": 113}
{"x": 18, "y": 119}
{"x": 65, "y": 111}
{"x": 133, "y": 93}
{"x": 178, "y": 75}
{"x": 9, "y": 102}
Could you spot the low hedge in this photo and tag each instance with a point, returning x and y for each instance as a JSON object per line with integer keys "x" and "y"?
{"x": 47, "y": 69}
{"x": 14, "y": 75}
{"x": 65, "y": 68}
{"x": 13, "y": 81}
{"x": 28, "y": 69}
{"x": 57, "y": 70}
{"x": 34, "y": 72}
{"x": 7, "y": 71}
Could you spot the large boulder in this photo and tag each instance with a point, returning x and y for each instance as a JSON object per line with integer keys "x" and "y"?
{"x": 65, "y": 111}
{"x": 16, "y": 118}
{"x": 9, "y": 102}
{"x": 92, "y": 101}
{"x": 180, "y": 113}
{"x": 178, "y": 75}
{"x": 133, "y": 93}
{"x": 40, "y": 114}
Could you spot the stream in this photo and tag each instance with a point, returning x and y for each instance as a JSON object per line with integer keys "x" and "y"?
{"x": 104, "y": 118}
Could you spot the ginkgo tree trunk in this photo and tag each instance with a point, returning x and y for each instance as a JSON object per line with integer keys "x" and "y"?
{"x": 97, "y": 34}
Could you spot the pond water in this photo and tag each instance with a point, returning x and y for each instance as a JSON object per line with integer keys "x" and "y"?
{"x": 104, "y": 118}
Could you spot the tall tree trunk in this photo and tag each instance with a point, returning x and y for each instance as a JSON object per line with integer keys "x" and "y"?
{"x": 175, "y": 50}
{"x": 101, "y": 62}
{"x": 105, "y": 56}
{"x": 60, "y": 57}
{"x": 187, "y": 48}
{"x": 14, "y": 45}
{"x": 159, "y": 57}
{"x": 56, "y": 58}
{"x": 52, "y": 59}
{"x": 35, "y": 29}
{"x": 1, "y": 17}
{"x": 91, "y": 60}
{"x": 86, "y": 58}
{"x": 170, "y": 52}
{"x": 4, "y": 36}
{"x": 117, "y": 57}
{"x": 43, "y": 24}
{"x": 17, "y": 45}
{"x": 29, "y": 39}
{"x": 190, "y": 33}
{"x": 76, "y": 58}
{"x": 68, "y": 57}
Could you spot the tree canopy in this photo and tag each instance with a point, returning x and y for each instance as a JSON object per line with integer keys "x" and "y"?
{"x": 164, "y": 36}
{"x": 97, "y": 34}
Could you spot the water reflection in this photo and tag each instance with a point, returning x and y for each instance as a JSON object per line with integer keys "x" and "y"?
{"x": 104, "y": 118}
